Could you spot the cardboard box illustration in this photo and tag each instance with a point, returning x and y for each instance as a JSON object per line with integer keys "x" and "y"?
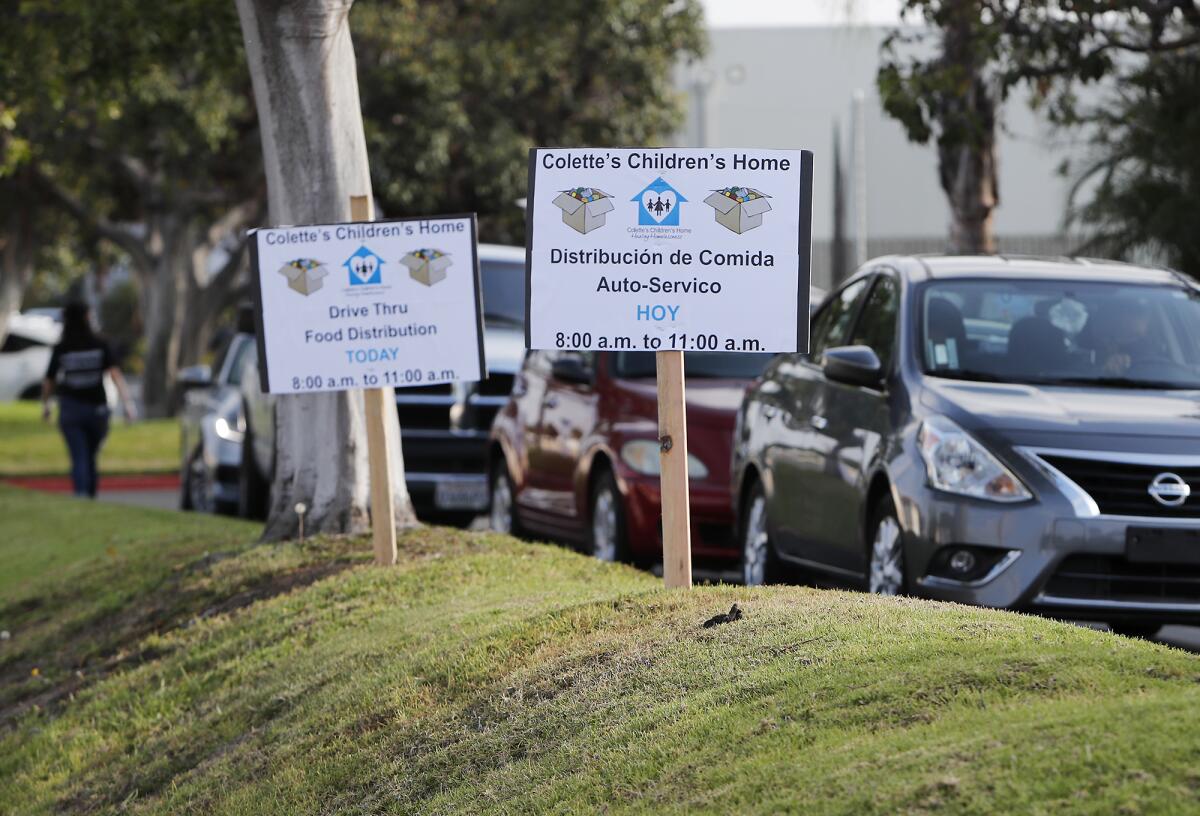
{"x": 584, "y": 208}
{"x": 427, "y": 266}
{"x": 304, "y": 274}
{"x": 739, "y": 208}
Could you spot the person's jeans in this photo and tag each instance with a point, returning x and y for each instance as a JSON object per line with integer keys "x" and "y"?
{"x": 84, "y": 425}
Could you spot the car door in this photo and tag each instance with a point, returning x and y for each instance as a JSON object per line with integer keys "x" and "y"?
{"x": 568, "y": 415}
{"x": 798, "y": 509}
{"x": 856, "y": 421}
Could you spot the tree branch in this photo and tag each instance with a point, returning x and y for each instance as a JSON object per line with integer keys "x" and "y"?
{"x": 108, "y": 230}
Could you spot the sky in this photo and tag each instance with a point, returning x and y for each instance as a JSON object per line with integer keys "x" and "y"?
{"x": 759, "y": 13}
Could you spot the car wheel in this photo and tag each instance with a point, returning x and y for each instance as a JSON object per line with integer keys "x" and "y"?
{"x": 758, "y": 554}
{"x": 1144, "y": 631}
{"x": 502, "y": 513}
{"x": 887, "y": 551}
{"x": 253, "y": 489}
{"x": 607, "y": 520}
{"x": 198, "y": 485}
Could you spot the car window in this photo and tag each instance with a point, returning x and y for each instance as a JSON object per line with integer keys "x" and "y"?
{"x": 238, "y": 367}
{"x": 503, "y": 291}
{"x": 876, "y": 326}
{"x": 832, "y": 322}
{"x": 635, "y": 365}
{"x": 588, "y": 358}
{"x": 15, "y": 342}
{"x": 1068, "y": 332}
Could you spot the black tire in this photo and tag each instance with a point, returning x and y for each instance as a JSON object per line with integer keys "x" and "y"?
{"x": 608, "y": 538}
{"x": 500, "y": 483}
{"x": 185, "y": 484}
{"x": 188, "y": 486}
{"x": 891, "y": 578}
{"x": 759, "y": 561}
{"x": 1135, "y": 629}
{"x": 253, "y": 489}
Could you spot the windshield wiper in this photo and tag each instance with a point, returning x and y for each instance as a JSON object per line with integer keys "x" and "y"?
{"x": 500, "y": 318}
{"x": 972, "y": 376}
{"x": 1122, "y": 382}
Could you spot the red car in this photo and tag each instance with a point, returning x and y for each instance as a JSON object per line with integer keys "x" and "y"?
{"x": 574, "y": 453}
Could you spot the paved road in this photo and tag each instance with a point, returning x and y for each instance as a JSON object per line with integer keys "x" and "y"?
{"x": 157, "y": 499}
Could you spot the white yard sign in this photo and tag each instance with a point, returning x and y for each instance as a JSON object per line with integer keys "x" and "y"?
{"x": 683, "y": 249}
{"x": 368, "y": 305}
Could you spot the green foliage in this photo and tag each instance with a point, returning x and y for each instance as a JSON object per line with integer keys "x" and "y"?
{"x": 485, "y": 675}
{"x": 455, "y": 93}
{"x": 1143, "y": 181}
{"x": 84, "y": 85}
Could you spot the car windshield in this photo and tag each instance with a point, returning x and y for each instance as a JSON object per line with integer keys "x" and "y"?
{"x": 1063, "y": 333}
{"x": 503, "y": 291}
{"x": 633, "y": 365}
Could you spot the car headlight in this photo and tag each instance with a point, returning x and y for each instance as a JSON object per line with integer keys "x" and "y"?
{"x": 643, "y": 456}
{"x": 229, "y": 424}
{"x": 956, "y": 463}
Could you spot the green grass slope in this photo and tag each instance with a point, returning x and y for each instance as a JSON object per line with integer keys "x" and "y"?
{"x": 485, "y": 675}
{"x": 31, "y": 447}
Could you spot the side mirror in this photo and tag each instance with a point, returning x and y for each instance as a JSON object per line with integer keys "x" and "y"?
{"x": 853, "y": 365}
{"x": 571, "y": 369}
{"x": 197, "y": 376}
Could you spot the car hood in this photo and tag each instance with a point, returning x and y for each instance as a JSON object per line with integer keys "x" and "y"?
{"x": 712, "y": 403}
{"x": 504, "y": 347}
{"x": 1035, "y": 411}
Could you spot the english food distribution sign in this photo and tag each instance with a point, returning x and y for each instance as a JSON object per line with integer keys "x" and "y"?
{"x": 371, "y": 304}
{"x": 669, "y": 249}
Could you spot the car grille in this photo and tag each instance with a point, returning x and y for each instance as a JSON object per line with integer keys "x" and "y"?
{"x": 428, "y": 408}
{"x": 1113, "y": 578}
{"x": 496, "y": 385}
{"x": 1120, "y": 488}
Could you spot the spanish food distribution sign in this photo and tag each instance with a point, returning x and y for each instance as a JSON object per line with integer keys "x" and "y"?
{"x": 668, "y": 249}
{"x": 371, "y": 304}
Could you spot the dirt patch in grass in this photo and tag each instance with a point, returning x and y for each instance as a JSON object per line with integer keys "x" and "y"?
{"x": 94, "y": 648}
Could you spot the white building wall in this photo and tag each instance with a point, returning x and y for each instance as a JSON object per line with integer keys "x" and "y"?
{"x": 787, "y": 87}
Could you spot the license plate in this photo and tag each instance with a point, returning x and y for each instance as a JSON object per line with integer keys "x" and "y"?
{"x": 1162, "y": 545}
{"x": 464, "y": 495}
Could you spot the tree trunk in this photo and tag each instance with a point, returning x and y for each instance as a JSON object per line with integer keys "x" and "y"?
{"x": 306, "y": 90}
{"x": 16, "y": 261}
{"x": 16, "y": 258}
{"x": 969, "y": 179}
{"x": 169, "y": 242}
{"x": 967, "y": 144}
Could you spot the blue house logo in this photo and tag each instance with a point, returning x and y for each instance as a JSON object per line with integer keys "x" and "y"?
{"x": 365, "y": 267}
{"x": 658, "y": 204}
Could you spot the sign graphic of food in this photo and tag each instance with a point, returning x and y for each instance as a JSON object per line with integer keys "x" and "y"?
{"x": 304, "y": 274}
{"x": 584, "y": 208}
{"x": 739, "y": 208}
{"x": 427, "y": 266}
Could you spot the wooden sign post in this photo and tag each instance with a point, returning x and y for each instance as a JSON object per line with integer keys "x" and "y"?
{"x": 673, "y": 474}
{"x": 380, "y": 405}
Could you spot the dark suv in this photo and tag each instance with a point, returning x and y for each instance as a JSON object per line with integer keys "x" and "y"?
{"x": 1009, "y": 432}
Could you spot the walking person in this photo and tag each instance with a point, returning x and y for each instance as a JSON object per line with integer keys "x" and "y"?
{"x": 76, "y": 374}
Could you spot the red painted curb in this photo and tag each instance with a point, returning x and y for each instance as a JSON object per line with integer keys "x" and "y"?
{"x": 108, "y": 483}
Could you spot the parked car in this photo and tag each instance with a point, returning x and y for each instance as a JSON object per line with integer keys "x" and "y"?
{"x": 1009, "y": 432}
{"x": 444, "y": 428}
{"x": 575, "y": 452}
{"x": 26, "y": 354}
{"x": 212, "y": 429}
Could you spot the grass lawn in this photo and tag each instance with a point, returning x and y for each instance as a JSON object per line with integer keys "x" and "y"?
{"x": 161, "y": 663}
{"x": 31, "y": 447}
